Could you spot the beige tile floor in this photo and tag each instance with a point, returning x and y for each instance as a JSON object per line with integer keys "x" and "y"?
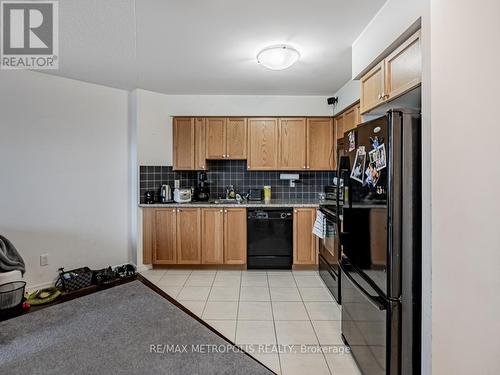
{"x": 292, "y": 312}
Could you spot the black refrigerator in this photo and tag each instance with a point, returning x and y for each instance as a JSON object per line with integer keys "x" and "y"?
{"x": 380, "y": 241}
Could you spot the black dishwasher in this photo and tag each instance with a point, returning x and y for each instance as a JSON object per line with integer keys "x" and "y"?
{"x": 270, "y": 238}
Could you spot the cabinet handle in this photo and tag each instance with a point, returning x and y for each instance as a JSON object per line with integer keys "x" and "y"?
{"x": 304, "y": 167}
{"x": 173, "y": 210}
{"x": 295, "y": 211}
{"x": 225, "y": 211}
{"x": 227, "y": 155}
{"x": 220, "y": 211}
{"x": 380, "y": 96}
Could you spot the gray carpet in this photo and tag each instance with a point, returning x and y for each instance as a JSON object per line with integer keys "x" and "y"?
{"x": 110, "y": 332}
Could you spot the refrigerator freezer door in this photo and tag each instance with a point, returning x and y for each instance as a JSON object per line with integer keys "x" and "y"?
{"x": 370, "y": 325}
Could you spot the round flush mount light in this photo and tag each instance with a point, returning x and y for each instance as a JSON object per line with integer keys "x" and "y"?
{"x": 278, "y": 57}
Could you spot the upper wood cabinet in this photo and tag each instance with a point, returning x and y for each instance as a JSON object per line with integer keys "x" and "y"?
{"x": 262, "y": 143}
{"x": 199, "y": 146}
{"x": 292, "y": 143}
{"x": 339, "y": 126}
{"x": 226, "y": 138}
{"x": 267, "y": 143}
{"x": 184, "y": 143}
{"x": 397, "y": 74}
{"x": 403, "y": 68}
{"x": 235, "y": 236}
{"x": 236, "y": 138}
{"x": 352, "y": 118}
{"x": 372, "y": 88}
{"x": 304, "y": 242}
{"x": 212, "y": 236}
{"x": 188, "y": 239}
{"x": 320, "y": 144}
{"x": 215, "y": 136}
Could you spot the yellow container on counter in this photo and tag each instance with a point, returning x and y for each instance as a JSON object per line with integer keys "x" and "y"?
{"x": 267, "y": 193}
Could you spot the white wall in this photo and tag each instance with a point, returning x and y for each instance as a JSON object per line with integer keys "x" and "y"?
{"x": 64, "y": 167}
{"x": 465, "y": 57}
{"x": 348, "y": 95}
{"x": 155, "y": 111}
{"x": 384, "y": 32}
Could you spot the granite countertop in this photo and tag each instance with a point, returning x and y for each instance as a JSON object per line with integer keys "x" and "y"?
{"x": 274, "y": 203}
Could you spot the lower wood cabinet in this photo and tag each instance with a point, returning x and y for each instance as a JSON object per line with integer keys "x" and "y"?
{"x": 224, "y": 236}
{"x": 235, "y": 236}
{"x": 212, "y": 236}
{"x": 188, "y": 236}
{"x": 195, "y": 236}
{"x": 304, "y": 242}
{"x": 165, "y": 237}
{"x": 172, "y": 236}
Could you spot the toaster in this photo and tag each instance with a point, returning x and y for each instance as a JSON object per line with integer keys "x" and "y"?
{"x": 182, "y": 195}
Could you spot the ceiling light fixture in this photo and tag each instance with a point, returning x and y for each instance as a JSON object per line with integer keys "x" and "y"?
{"x": 278, "y": 57}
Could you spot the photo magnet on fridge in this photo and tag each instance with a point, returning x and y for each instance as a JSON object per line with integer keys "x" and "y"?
{"x": 358, "y": 169}
{"x": 378, "y": 157}
{"x": 352, "y": 140}
{"x": 372, "y": 175}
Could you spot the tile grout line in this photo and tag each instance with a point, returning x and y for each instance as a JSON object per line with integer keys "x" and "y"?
{"x": 314, "y": 329}
{"x": 208, "y": 296}
{"x": 238, "y": 310}
{"x": 274, "y": 321}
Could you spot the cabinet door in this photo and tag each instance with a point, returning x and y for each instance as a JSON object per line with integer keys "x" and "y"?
{"x": 235, "y": 236}
{"x": 292, "y": 143}
{"x": 320, "y": 141}
{"x": 262, "y": 144}
{"x": 148, "y": 224}
{"x": 359, "y": 120}
{"x": 350, "y": 119}
{"x": 236, "y": 138}
{"x": 304, "y": 242}
{"x": 164, "y": 236}
{"x": 188, "y": 236}
{"x": 184, "y": 143}
{"x": 200, "y": 143}
{"x": 215, "y": 138}
{"x": 372, "y": 88}
{"x": 212, "y": 236}
{"x": 403, "y": 68}
{"x": 339, "y": 127}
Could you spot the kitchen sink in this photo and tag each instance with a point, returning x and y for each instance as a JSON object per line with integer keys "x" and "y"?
{"x": 225, "y": 201}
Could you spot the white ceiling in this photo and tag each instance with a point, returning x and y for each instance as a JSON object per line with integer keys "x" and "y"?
{"x": 209, "y": 46}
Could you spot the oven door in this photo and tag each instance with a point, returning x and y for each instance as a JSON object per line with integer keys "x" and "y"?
{"x": 329, "y": 268}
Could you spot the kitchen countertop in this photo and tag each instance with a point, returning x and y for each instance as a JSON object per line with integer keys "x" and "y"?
{"x": 304, "y": 203}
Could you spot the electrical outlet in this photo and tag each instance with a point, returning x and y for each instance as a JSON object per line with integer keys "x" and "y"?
{"x": 44, "y": 260}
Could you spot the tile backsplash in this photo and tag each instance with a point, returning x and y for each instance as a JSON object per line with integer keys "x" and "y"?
{"x": 222, "y": 173}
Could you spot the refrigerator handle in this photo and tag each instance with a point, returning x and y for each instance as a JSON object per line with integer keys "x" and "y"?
{"x": 374, "y": 301}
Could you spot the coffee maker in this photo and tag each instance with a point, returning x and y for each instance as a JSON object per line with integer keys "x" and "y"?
{"x": 202, "y": 192}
